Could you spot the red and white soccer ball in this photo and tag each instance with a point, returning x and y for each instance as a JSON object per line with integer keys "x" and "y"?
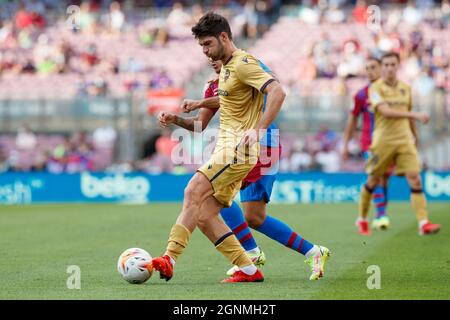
{"x": 134, "y": 265}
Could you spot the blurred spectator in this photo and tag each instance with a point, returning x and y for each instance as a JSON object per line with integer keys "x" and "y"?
{"x": 310, "y": 15}
{"x": 7, "y": 35}
{"x": 37, "y": 10}
{"x": 412, "y": 15}
{"x": 359, "y": 13}
{"x": 445, "y": 13}
{"x": 178, "y": 21}
{"x": 300, "y": 160}
{"x": 248, "y": 20}
{"x": 178, "y": 16}
{"x": 328, "y": 159}
{"x": 85, "y": 20}
{"x": 24, "y": 18}
{"x": 325, "y": 137}
{"x": 307, "y": 67}
{"x": 424, "y": 84}
{"x": 352, "y": 64}
{"x": 334, "y": 14}
{"x": 90, "y": 56}
{"x": 27, "y": 67}
{"x": 26, "y": 139}
{"x": 97, "y": 87}
{"x": 104, "y": 137}
{"x": 132, "y": 65}
{"x": 147, "y": 35}
{"x": 116, "y": 18}
{"x": 197, "y": 13}
{"x": 160, "y": 80}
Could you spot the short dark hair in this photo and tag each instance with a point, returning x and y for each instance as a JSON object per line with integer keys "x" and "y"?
{"x": 390, "y": 55}
{"x": 211, "y": 25}
{"x": 373, "y": 58}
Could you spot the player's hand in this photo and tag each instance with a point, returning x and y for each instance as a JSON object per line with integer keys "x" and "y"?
{"x": 344, "y": 154}
{"x": 249, "y": 138}
{"x": 424, "y": 118}
{"x": 189, "y": 105}
{"x": 166, "y": 118}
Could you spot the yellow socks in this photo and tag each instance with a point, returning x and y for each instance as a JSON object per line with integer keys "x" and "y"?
{"x": 419, "y": 204}
{"x": 365, "y": 199}
{"x": 230, "y": 247}
{"x": 178, "y": 240}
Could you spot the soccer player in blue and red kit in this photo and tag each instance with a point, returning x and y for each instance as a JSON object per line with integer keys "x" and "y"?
{"x": 361, "y": 108}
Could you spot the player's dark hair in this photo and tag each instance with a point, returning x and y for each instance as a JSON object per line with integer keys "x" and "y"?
{"x": 211, "y": 25}
{"x": 390, "y": 55}
{"x": 373, "y": 58}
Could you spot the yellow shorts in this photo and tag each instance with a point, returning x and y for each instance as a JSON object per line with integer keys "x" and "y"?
{"x": 226, "y": 169}
{"x": 404, "y": 156}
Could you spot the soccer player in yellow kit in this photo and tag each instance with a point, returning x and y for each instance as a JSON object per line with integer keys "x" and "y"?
{"x": 242, "y": 85}
{"x": 394, "y": 140}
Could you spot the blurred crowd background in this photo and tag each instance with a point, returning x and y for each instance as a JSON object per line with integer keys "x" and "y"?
{"x": 81, "y": 81}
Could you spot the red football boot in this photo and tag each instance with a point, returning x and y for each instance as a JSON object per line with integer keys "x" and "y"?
{"x": 429, "y": 228}
{"x": 163, "y": 266}
{"x": 363, "y": 227}
{"x": 240, "y": 276}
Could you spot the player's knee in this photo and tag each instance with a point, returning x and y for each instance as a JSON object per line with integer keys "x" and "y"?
{"x": 255, "y": 219}
{"x": 414, "y": 180}
{"x": 372, "y": 181}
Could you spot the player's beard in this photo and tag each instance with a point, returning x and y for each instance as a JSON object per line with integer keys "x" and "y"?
{"x": 220, "y": 51}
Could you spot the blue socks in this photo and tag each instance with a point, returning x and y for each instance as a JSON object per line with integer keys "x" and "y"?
{"x": 380, "y": 200}
{"x": 281, "y": 232}
{"x": 271, "y": 227}
{"x": 234, "y": 218}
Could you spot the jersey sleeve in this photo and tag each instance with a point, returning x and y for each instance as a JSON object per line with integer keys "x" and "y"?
{"x": 249, "y": 71}
{"x": 208, "y": 92}
{"x": 357, "y": 105}
{"x": 375, "y": 98}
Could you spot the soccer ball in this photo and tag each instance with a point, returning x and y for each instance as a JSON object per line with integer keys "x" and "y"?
{"x": 134, "y": 265}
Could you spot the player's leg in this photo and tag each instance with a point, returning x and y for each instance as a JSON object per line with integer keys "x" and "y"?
{"x": 235, "y": 220}
{"x": 381, "y": 220}
{"x": 226, "y": 242}
{"x": 379, "y": 159}
{"x": 258, "y": 219}
{"x": 197, "y": 190}
{"x": 419, "y": 204}
{"x": 365, "y": 198}
{"x": 408, "y": 164}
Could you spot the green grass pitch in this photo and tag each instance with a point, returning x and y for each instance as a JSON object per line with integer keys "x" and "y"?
{"x": 39, "y": 242}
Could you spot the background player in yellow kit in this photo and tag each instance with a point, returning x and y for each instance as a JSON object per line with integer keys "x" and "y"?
{"x": 393, "y": 140}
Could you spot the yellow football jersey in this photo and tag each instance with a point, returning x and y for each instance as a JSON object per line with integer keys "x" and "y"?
{"x": 242, "y": 81}
{"x": 398, "y": 97}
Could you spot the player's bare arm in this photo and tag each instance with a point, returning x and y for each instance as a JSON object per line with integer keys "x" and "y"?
{"x": 275, "y": 98}
{"x": 204, "y": 117}
{"x": 388, "y": 112}
{"x": 348, "y": 133}
{"x": 189, "y": 105}
{"x": 413, "y": 126}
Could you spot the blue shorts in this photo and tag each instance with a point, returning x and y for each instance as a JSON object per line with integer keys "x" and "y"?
{"x": 258, "y": 190}
{"x": 366, "y": 155}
